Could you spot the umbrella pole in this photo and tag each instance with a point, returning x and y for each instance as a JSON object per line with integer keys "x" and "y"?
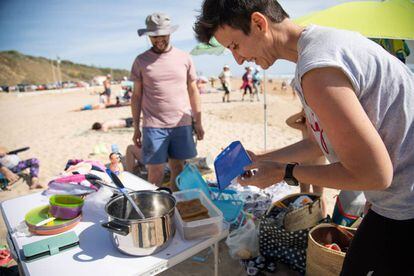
{"x": 265, "y": 109}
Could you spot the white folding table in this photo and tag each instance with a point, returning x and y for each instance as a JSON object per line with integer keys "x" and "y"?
{"x": 96, "y": 254}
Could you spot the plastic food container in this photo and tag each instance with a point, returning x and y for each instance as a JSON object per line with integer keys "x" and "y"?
{"x": 230, "y": 163}
{"x": 65, "y": 206}
{"x": 202, "y": 228}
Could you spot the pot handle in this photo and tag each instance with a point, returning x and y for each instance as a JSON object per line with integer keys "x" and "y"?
{"x": 168, "y": 190}
{"x": 116, "y": 228}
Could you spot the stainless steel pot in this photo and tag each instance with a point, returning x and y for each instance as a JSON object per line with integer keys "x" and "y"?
{"x": 141, "y": 237}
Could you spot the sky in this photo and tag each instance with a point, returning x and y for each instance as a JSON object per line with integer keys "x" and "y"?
{"x": 104, "y": 33}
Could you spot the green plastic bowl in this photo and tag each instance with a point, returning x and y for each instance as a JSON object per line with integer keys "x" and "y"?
{"x": 65, "y": 206}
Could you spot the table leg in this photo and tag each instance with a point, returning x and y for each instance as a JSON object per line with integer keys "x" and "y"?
{"x": 216, "y": 253}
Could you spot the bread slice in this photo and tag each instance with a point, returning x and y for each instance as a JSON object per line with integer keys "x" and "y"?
{"x": 192, "y": 210}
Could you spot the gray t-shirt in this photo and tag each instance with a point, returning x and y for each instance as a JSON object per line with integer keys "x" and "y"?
{"x": 385, "y": 89}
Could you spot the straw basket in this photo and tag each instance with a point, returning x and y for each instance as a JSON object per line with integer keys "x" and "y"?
{"x": 304, "y": 217}
{"x": 324, "y": 261}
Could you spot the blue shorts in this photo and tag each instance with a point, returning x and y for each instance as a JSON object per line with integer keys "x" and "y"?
{"x": 87, "y": 107}
{"x": 159, "y": 144}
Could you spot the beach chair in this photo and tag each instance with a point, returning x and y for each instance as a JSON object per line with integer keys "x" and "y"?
{"x": 3, "y": 182}
{"x": 226, "y": 200}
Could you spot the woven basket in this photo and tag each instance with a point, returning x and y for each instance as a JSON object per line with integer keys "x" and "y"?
{"x": 304, "y": 217}
{"x": 321, "y": 260}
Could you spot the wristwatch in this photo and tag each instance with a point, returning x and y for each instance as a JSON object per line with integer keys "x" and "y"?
{"x": 289, "y": 178}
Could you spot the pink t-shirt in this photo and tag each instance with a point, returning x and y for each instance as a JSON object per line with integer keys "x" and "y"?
{"x": 164, "y": 77}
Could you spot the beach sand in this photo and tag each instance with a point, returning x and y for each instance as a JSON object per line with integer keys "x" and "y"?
{"x": 55, "y": 133}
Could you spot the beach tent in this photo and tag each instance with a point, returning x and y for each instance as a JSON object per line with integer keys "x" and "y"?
{"x": 392, "y": 19}
{"x": 215, "y": 48}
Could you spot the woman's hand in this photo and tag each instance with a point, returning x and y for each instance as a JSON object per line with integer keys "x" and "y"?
{"x": 264, "y": 174}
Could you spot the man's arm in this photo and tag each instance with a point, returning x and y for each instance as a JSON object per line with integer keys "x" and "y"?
{"x": 196, "y": 108}
{"x": 136, "y": 103}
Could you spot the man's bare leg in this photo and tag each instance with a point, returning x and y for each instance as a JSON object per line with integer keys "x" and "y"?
{"x": 176, "y": 167}
{"x": 133, "y": 154}
{"x": 155, "y": 173}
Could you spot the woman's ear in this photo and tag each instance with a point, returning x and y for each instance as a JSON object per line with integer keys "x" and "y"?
{"x": 259, "y": 21}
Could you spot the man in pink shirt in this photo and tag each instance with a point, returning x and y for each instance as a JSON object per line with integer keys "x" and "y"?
{"x": 165, "y": 91}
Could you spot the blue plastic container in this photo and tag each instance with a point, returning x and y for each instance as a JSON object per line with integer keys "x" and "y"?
{"x": 230, "y": 163}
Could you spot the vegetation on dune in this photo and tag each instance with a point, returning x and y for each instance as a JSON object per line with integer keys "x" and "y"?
{"x": 17, "y": 68}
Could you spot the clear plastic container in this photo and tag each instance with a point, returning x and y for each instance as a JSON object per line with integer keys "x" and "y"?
{"x": 202, "y": 228}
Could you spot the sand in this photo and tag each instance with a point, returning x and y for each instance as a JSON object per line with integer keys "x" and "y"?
{"x": 55, "y": 133}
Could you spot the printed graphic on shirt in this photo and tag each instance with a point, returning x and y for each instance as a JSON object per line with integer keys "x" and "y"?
{"x": 319, "y": 135}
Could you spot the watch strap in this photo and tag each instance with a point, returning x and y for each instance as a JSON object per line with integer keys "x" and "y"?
{"x": 289, "y": 173}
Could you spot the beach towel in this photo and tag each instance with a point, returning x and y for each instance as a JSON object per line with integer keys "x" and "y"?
{"x": 79, "y": 177}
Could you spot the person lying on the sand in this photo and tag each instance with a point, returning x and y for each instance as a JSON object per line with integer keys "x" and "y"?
{"x": 103, "y": 105}
{"x": 116, "y": 123}
{"x": 11, "y": 165}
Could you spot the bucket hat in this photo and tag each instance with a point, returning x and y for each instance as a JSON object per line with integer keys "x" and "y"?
{"x": 158, "y": 24}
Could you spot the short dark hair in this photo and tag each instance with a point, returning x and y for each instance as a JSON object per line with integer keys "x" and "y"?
{"x": 96, "y": 126}
{"x": 116, "y": 153}
{"x": 234, "y": 13}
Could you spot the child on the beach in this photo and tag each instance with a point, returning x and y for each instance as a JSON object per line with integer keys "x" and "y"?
{"x": 11, "y": 166}
{"x": 115, "y": 164}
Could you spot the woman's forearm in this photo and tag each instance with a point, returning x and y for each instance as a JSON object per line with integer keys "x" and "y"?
{"x": 301, "y": 151}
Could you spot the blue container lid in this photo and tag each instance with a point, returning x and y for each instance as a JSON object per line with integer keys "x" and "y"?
{"x": 229, "y": 164}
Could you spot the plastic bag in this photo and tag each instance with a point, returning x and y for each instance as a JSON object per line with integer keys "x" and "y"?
{"x": 243, "y": 242}
{"x": 95, "y": 203}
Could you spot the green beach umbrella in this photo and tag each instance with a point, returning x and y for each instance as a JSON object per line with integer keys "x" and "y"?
{"x": 215, "y": 48}
{"x": 392, "y": 19}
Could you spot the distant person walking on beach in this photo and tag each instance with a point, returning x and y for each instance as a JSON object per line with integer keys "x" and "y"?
{"x": 257, "y": 83}
{"x": 225, "y": 78}
{"x": 166, "y": 93}
{"x": 359, "y": 102}
{"x": 107, "y": 88}
{"x": 247, "y": 83}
